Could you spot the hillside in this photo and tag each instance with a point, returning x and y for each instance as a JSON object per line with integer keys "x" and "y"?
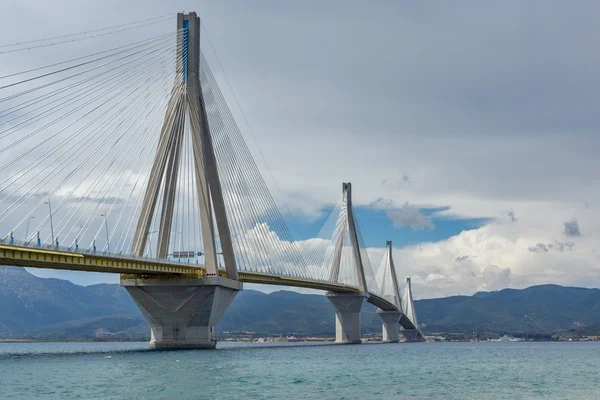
{"x": 544, "y": 308}
{"x": 56, "y": 309}
{"x": 29, "y": 304}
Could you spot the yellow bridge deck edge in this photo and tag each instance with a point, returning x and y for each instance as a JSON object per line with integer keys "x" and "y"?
{"x": 56, "y": 259}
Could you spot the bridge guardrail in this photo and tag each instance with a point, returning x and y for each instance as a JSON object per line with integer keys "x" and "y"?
{"x": 74, "y": 251}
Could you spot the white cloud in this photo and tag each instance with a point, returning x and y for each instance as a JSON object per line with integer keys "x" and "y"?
{"x": 406, "y": 215}
{"x": 493, "y": 257}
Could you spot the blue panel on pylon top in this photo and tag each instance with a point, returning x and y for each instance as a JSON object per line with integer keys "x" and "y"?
{"x": 184, "y": 49}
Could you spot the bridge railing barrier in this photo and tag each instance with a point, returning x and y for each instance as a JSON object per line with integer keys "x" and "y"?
{"x": 87, "y": 251}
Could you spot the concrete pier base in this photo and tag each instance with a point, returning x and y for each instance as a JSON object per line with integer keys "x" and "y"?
{"x": 390, "y": 325}
{"x": 412, "y": 335}
{"x": 182, "y": 313}
{"x": 347, "y": 316}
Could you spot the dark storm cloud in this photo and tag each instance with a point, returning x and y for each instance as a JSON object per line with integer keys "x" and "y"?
{"x": 572, "y": 228}
{"x": 556, "y": 246}
{"x": 511, "y": 215}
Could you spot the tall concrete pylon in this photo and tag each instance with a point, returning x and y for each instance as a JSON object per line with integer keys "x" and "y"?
{"x": 348, "y": 226}
{"x": 412, "y": 334}
{"x": 183, "y": 312}
{"x": 408, "y": 304}
{"x": 348, "y": 305}
{"x": 186, "y": 101}
{"x": 390, "y": 260}
{"x": 391, "y": 319}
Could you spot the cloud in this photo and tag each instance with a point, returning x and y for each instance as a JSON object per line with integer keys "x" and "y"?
{"x": 572, "y": 228}
{"x": 511, "y": 215}
{"x": 495, "y": 277}
{"x": 406, "y": 215}
{"x": 497, "y": 256}
{"x": 397, "y": 182}
{"x": 556, "y": 246}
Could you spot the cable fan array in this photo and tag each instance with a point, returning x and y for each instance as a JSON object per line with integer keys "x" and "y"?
{"x": 408, "y": 305}
{"x": 75, "y": 140}
{"x": 79, "y": 36}
{"x": 333, "y": 256}
{"x": 262, "y": 240}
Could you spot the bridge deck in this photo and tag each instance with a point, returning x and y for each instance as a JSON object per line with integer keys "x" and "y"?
{"x": 96, "y": 262}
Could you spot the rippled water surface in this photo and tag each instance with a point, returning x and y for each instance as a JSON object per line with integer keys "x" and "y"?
{"x": 260, "y": 371}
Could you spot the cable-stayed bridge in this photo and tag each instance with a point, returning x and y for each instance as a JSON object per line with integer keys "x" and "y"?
{"x": 127, "y": 159}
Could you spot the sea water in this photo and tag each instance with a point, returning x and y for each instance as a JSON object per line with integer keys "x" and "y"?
{"x": 501, "y": 370}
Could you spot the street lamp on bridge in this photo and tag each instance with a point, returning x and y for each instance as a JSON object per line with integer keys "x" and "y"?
{"x": 27, "y": 228}
{"x": 150, "y": 242}
{"x": 106, "y": 228}
{"x": 51, "y": 225}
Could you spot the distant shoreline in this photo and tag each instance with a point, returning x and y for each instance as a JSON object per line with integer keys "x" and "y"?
{"x": 142, "y": 340}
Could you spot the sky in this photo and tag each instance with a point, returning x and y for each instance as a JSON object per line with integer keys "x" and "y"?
{"x": 468, "y": 130}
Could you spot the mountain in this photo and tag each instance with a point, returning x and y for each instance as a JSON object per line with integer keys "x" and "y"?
{"x": 29, "y": 305}
{"x": 544, "y": 308}
{"x": 41, "y": 308}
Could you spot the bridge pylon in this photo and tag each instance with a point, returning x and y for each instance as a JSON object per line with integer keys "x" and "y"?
{"x": 391, "y": 318}
{"x": 348, "y": 305}
{"x": 183, "y": 311}
{"x": 412, "y": 333}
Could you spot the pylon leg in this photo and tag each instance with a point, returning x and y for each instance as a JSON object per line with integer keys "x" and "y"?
{"x": 168, "y": 205}
{"x": 204, "y": 203}
{"x": 157, "y": 172}
{"x": 183, "y": 314}
{"x": 347, "y": 316}
{"x": 390, "y": 325}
